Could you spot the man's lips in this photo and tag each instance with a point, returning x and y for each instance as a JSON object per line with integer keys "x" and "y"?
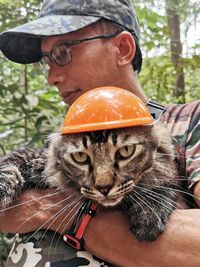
{"x": 70, "y": 96}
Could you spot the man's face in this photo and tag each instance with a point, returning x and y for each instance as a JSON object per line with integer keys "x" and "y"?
{"x": 93, "y": 64}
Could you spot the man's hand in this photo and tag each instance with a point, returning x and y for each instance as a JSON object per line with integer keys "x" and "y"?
{"x": 39, "y": 209}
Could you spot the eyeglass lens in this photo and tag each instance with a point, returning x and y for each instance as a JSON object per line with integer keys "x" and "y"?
{"x": 61, "y": 55}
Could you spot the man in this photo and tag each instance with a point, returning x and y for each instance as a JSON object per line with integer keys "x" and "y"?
{"x": 87, "y": 44}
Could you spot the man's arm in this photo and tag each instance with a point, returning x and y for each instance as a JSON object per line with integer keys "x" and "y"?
{"x": 108, "y": 236}
{"x": 37, "y": 209}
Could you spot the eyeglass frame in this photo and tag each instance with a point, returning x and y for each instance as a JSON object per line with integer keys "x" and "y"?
{"x": 68, "y": 44}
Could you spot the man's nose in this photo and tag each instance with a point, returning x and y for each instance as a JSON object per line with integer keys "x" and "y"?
{"x": 56, "y": 75}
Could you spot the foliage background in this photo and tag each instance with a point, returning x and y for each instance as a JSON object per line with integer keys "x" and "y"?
{"x": 30, "y": 109}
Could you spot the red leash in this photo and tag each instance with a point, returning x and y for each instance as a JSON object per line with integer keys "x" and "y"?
{"x": 73, "y": 236}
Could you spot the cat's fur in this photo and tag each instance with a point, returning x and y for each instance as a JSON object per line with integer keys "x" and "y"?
{"x": 132, "y": 168}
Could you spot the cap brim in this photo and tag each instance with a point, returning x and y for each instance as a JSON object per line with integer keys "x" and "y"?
{"x": 23, "y": 43}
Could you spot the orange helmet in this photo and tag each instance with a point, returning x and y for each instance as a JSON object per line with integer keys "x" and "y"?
{"x": 105, "y": 108}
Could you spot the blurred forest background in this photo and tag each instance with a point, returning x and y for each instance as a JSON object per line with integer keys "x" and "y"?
{"x": 30, "y": 109}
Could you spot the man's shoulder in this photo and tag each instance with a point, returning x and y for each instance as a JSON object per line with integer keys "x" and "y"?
{"x": 181, "y": 119}
{"x": 183, "y": 112}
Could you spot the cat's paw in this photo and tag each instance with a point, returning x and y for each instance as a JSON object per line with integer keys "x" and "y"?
{"x": 10, "y": 184}
{"x": 4, "y": 195}
{"x": 147, "y": 231}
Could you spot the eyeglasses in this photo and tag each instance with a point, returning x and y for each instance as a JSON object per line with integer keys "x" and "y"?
{"x": 61, "y": 54}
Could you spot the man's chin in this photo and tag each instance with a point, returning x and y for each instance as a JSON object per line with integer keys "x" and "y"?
{"x": 70, "y": 97}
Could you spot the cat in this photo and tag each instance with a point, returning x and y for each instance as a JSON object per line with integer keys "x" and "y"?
{"x": 132, "y": 168}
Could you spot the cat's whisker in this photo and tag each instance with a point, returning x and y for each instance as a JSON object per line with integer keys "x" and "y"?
{"x": 41, "y": 227}
{"x": 51, "y": 206}
{"x": 164, "y": 154}
{"x": 80, "y": 201}
{"x": 172, "y": 181}
{"x": 66, "y": 183}
{"x": 183, "y": 178}
{"x": 31, "y": 200}
{"x": 176, "y": 179}
{"x": 76, "y": 202}
{"x": 125, "y": 199}
{"x": 170, "y": 201}
{"x": 60, "y": 235}
{"x": 141, "y": 198}
{"x": 134, "y": 200}
{"x": 154, "y": 195}
{"x": 148, "y": 191}
{"x": 182, "y": 193}
{"x": 68, "y": 223}
{"x": 161, "y": 155}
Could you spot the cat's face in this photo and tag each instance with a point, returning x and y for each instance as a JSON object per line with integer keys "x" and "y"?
{"x": 105, "y": 165}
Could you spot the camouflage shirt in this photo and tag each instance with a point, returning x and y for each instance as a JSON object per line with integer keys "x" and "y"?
{"x": 183, "y": 121}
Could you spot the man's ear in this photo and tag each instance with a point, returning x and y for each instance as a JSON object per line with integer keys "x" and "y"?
{"x": 126, "y": 48}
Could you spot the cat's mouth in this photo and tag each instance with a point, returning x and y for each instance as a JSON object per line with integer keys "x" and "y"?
{"x": 110, "y": 201}
{"x": 113, "y": 197}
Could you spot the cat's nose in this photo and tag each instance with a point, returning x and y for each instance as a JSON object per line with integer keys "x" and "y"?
{"x": 104, "y": 189}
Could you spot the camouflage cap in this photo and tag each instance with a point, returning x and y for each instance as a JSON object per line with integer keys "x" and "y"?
{"x": 23, "y": 43}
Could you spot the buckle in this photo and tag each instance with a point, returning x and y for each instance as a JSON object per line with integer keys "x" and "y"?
{"x": 73, "y": 241}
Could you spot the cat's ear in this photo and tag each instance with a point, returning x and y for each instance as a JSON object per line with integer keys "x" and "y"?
{"x": 54, "y": 137}
{"x": 149, "y": 126}
{"x": 54, "y": 146}
{"x": 52, "y": 171}
{"x": 151, "y": 133}
{"x": 165, "y": 144}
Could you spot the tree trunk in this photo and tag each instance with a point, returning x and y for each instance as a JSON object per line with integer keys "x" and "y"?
{"x": 176, "y": 49}
{"x": 23, "y": 81}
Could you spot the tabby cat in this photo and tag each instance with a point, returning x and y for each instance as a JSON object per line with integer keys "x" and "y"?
{"x": 132, "y": 168}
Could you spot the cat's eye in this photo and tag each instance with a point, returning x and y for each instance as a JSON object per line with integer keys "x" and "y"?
{"x": 126, "y": 151}
{"x": 80, "y": 157}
